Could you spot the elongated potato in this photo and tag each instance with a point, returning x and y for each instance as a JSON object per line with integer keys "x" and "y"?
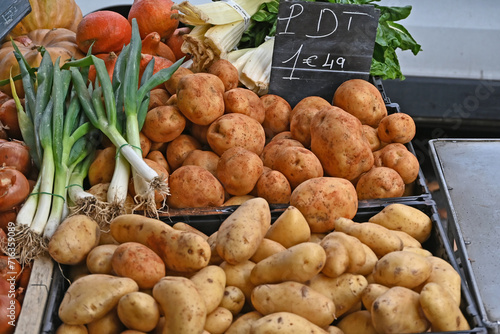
{"x": 180, "y": 226}
{"x": 267, "y": 247}
{"x": 345, "y": 290}
{"x": 80, "y": 307}
{"x": 398, "y": 311}
{"x": 398, "y": 216}
{"x": 233, "y": 299}
{"x": 180, "y": 300}
{"x": 402, "y": 268}
{"x": 357, "y": 322}
{"x": 210, "y": 283}
{"x": 295, "y": 298}
{"x": 445, "y": 275}
{"x": 240, "y": 234}
{"x": 298, "y": 263}
{"x": 380, "y": 239}
{"x": 181, "y": 251}
{"x": 243, "y": 324}
{"x": 408, "y": 240}
{"x": 371, "y": 260}
{"x": 344, "y": 253}
{"x": 441, "y": 309}
{"x": 290, "y": 228}
{"x": 371, "y": 292}
{"x": 285, "y": 322}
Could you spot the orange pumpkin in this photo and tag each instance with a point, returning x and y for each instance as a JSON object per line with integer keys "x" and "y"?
{"x": 154, "y": 16}
{"x": 48, "y": 14}
{"x": 109, "y": 61}
{"x": 58, "y": 42}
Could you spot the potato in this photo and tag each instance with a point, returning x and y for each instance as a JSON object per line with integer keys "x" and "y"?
{"x": 243, "y": 323}
{"x": 277, "y": 114}
{"x": 238, "y": 275}
{"x": 240, "y": 234}
{"x": 158, "y": 97}
{"x": 371, "y": 260}
{"x": 160, "y": 159}
{"x": 99, "y": 259}
{"x": 171, "y": 84}
{"x": 210, "y": 283}
{"x": 159, "y": 197}
{"x": 145, "y": 144}
{"x": 408, "y": 240}
{"x": 214, "y": 256}
{"x": 180, "y": 251}
{"x": 398, "y": 216}
{"x": 138, "y": 311}
{"x": 205, "y": 159}
{"x": 282, "y": 135}
{"x": 298, "y": 263}
{"x": 218, "y": 321}
{"x": 239, "y": 170}
{"x": 300, "y": 124}
{"x": 109, "y": 323}
{"x": 73, "y": 239}
{"x": 401, "y": 160}
{"x": 193, "y": 187}
{"x": 324, "y": 199}
{"x": 164, "y": 123}
{"x": 273, "y": 186}
{"x": 380, "y": 182}
{"x": 357, "y": 322}
{"x": 267, "y": 247}
{"x": 71, "y": 329}
{"x": 233, "y": 299}
{"x": 181, "y": 301}
{"x": 91, "y": 297}
{"x": 337, "y": 140}
{"x": 102, "y": 167}
{"x": 334, "y": 330}
{"x": 226, "y": 71}
{"x": 445, "y": 275}
{"x": 361, "y": 99}
{"x": 417, "y": 250}
{"x": 402, "y": 268}
{"x": 371, "y": 292}
{"x": 298, "y": 164}
{"x": 274, "y": 147}
{"x": 244, "y": 101}
{"x": 345, "y": 290}
{"x": 284, "y": 322}
{"x": 372, "y": 137}
{"x": 295, "y": 298}
{"x": 380, "y": 239}
{"x": 236, "y": 129}
{"x": 344, "y": 253}
{"x": 440, "y": 307}
{"x": 200, "y": 97}
{"x": 139, "y": 262}
{"x": 397, "y": 128}
{"x": 179, "y": 148}
{"x": 310, "y": 102}
{"x": 290, "y": 228}
{"x": 237, "y": 200}
{"x": 398, "y": 311}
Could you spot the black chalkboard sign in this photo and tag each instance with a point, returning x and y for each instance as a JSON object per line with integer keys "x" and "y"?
{"x": 11, "y": 12}
{"x": 319, "y": 45}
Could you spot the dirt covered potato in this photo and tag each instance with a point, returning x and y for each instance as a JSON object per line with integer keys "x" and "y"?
{"x": 380, "y": 182}
{"x": 171, "y": 84}
{"x": 164, "y": 124}
{"x": 193, "y": 187}
{"x": 301, "y": 116}
{"x": 179, "y": 148}
{"x": 235, "y": 129}
{"x": 397, "y": 157}
{"x": 372, "y": 137}
{"x": 361, "y": 99}
{"x": 200, "y": 97}
{"x": 273, "y": 186}
{"x": 239, "y": 170}
{"x": 205, "y": 159}
{"x": 158, "y": 97}
{"x": 226, "y": 71}
{"x": 277, "y": 111}
{"x": 337, "y": 140}
{"x": 244, "y": 101}
{"x": 324, "y": 199}
{"x": 298, "y": 164}
{"x": 274, "y": 147}
{"x": 397, "y": 128}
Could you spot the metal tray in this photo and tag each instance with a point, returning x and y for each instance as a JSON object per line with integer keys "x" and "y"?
{"x": 468, "y": 173}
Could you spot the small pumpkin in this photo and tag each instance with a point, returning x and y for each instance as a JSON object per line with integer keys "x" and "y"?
{"x": 58, "y": 42}
{"x": 48, "y": 14}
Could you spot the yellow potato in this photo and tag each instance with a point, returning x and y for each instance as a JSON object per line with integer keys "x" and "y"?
{"x": 344, "y": 253}
{"x": 240, "y": 234}
{"x": 71, "y": 329}
{"x": 290, "y": 228}
{"x": 214, "y": 256}
{"x": 233, "y": 299}
{"x": 266, "y": 248}
{"x": 180, "y": 226}
{"x": 298, "y": 263}
{"x": 402, "y": 268}
{"x": 334, "y": 330}
{"x": 218, "y": 321}
{"x": 380, "y": 239}
{"x": 99, "y": 259}
{"x": 238, "y": 275}
{"x": 109, "y": 323}
{"x": 408, "y": 240}
{"x": 371, "y": 292}
{"x": 181, "y": 303}
{"x": 284, "y": 322}
{"x": 243, "y": 324}
{"x": 418, "y": 250}
{"x": 441, "y": 309}
{"x": 445, "y": 275}
{"x": 357, "y": 322}
{"x": 295, "y": 298}
{"x": 345, "y": 290}
{"x": 398, "y": 216}
{"x": 80, "y": 307}
{"x": 210, "y": 283}
{"x": 398, "y": 311}
{"x": 371, "y": 260}
{"x": 138, "y": 311}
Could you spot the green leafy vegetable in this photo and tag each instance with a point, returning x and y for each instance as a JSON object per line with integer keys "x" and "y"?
{"x": 390, "y": 35}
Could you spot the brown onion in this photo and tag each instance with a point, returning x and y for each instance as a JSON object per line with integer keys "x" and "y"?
{"x": 15, "y": 154}
{"x": 14, "y": 188}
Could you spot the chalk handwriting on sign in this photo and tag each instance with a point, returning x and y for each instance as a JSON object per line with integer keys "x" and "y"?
{"x": 319, "y": 45}
{"x": 11, "y": 13}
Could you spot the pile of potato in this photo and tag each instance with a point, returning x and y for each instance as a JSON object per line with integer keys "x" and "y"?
{"x": 251, "y": 276}
{"x": 220, "y": 144}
